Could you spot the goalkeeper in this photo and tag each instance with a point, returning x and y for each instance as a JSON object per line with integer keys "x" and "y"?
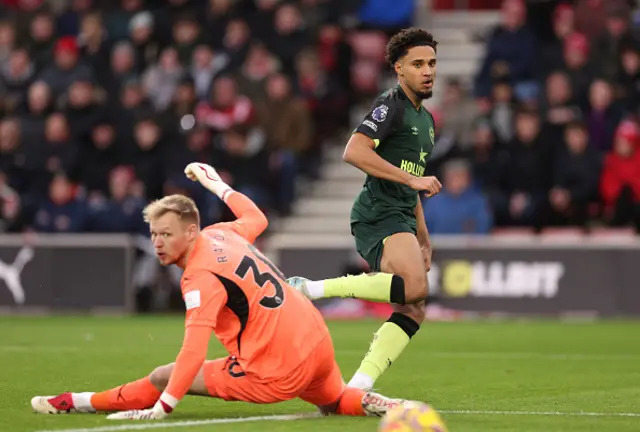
{"x": 279, "y": 347}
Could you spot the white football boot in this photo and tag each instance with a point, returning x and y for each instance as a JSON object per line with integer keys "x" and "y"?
{"x": 376, "y": 405}
{"x": 300, "y": 284}
{"x": 42, "y": 405}
{"x": 61, "y": 404}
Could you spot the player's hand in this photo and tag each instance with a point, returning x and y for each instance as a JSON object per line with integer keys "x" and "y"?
{"x": 207, "y": 176}
{"x": 155, "y": 413}
{"x": 196, "y": 171}
{"x": 430, "y": 185}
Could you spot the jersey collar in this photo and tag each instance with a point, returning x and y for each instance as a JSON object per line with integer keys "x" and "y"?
{"x": 404, "y": 95}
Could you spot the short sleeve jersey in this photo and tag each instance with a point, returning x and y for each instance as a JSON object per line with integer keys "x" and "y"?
{"x": 404, "y": 136}
{"x": 266, "y": 324}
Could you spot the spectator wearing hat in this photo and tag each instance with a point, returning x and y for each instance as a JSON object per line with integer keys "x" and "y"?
{"x": 66, "y": 68}
{"x": 577, "y": 67}
{"x": 620, "y": 182}
{"x": 141, "y": 36}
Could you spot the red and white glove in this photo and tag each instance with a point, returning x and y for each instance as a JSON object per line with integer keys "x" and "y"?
{"x": 155, "y": 413}
{"x": 163, "y": 407}
{"x": 208, "y": 177}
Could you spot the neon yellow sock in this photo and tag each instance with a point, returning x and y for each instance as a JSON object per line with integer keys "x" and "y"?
{"x": 373, "y": 287}
{"x": 388, "y": 343}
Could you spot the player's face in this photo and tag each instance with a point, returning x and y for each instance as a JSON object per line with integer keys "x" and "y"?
{"x": 418, "y": 70}
{"x": 171, "y": 238}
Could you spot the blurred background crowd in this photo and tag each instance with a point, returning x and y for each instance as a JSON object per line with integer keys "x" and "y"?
{"x": 103, "y": 103}
{"x": 547, "y": 135}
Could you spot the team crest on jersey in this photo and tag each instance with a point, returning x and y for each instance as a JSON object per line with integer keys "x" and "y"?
{"x": 432, "y": 135}
{"x": 380, "y": 113}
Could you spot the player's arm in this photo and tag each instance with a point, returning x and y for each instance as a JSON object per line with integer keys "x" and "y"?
{"x": 204, "y": 297}
{"x": 251, "y": 221}
{"x": 360, "y": 151}
{"x": 361, "y": 154}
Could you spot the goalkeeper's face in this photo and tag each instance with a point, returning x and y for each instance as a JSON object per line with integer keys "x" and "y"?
{"x": 172, "y": 238}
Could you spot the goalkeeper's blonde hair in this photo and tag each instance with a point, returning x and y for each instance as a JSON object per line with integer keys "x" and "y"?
{"x": 181, "y": 205}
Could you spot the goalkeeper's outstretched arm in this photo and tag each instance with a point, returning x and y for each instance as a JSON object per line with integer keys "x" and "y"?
{"x": 251, "y": 221}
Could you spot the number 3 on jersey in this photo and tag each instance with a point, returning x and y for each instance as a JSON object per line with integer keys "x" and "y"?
{"x": 248, "y": 263}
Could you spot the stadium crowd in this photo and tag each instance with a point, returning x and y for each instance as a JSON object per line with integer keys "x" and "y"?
{"x": 103, "y": 103}
{"x": 549, "y": 134}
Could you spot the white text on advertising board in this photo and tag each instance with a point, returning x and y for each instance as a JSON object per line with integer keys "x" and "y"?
{"x": 515, "y": 279}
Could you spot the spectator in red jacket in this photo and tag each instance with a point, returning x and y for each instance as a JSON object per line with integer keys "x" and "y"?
{"x": 620, "y": 182}
{"x": 227, "y": 108}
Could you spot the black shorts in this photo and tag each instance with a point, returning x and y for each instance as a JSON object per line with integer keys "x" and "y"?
{"x": 370, "y": 236}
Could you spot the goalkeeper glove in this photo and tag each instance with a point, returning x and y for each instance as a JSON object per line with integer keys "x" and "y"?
{"x": 208, "y": 177}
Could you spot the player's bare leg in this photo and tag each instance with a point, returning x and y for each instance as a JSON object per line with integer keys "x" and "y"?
{"x": 401, "y": 256}
{"x": 136, "y": 395}
{"x": 403, "y": 267}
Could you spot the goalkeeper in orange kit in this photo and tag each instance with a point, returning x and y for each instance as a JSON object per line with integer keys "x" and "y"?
{"x": 279, "y": 346}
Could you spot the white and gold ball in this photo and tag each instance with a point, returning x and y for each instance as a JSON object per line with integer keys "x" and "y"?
{"x": 412, "y": 417}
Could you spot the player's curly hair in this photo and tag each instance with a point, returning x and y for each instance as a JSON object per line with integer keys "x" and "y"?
{"x": 406, "y": 39}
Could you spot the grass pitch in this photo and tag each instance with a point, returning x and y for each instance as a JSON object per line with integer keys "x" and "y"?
{"x": 522, "y": 376}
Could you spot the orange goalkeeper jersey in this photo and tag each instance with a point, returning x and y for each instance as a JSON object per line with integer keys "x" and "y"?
{"x": 230, "y": 286}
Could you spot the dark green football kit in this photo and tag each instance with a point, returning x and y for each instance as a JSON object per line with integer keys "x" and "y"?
{"x": 404, "y": 136}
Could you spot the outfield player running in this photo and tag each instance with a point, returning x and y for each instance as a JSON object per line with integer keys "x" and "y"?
{"x": 279, "y": 346}
{"x": 391, "y": 146}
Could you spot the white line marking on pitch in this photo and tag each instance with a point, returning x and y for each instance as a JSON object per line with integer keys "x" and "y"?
{"x": 24, "y": 348}
{"x": 542, "y": 413}
{"x": 190, "y": 423}
{"x": 187, "y": 423}
{"x": 531, "y": 355}
{"x": 515, "y": 355}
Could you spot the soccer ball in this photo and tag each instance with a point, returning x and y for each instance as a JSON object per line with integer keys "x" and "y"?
{"x": 412, "y": 417}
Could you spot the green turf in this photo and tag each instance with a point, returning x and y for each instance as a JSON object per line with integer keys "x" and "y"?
{"x": 541, "y": 366}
